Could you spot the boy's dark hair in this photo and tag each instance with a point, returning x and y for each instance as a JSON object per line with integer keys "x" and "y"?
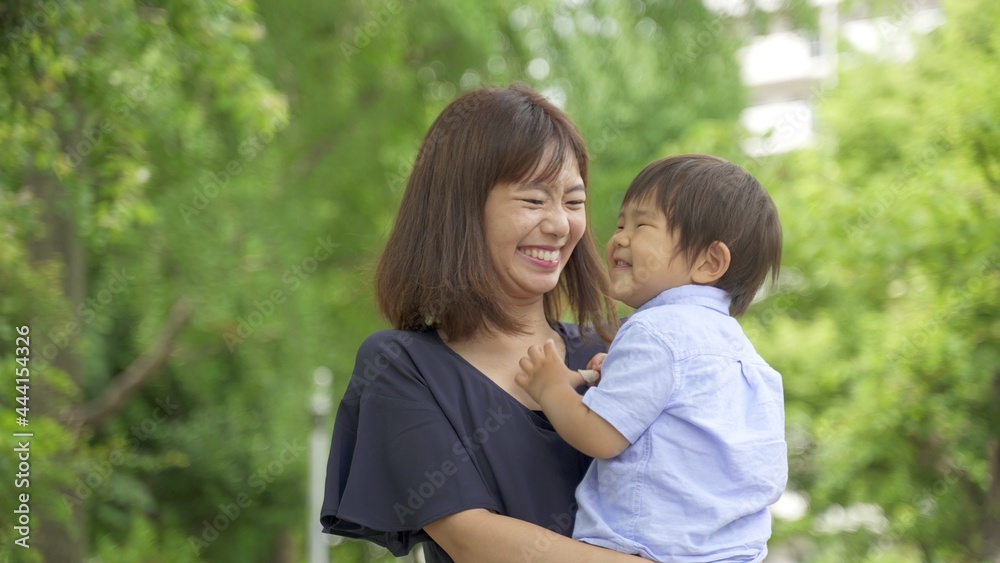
{"x": 708, "y": 199}
{"x": 436, "y": 270}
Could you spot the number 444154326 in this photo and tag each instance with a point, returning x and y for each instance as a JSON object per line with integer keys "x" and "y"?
{"x": 22, "y": 354}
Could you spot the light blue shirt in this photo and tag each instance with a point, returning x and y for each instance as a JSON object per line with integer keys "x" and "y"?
{"x": 705, "y": 418}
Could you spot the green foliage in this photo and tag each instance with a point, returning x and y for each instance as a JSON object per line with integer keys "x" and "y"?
{"x": 113, "y": 115}
{"x": 145, "y": 543}
{"x": 887, "y": 330}
{"x": 251, "y": 158}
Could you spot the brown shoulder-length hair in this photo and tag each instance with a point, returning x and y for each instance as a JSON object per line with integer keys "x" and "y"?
{"x": 707, "y": 199}
{"x": 436, "y": 271}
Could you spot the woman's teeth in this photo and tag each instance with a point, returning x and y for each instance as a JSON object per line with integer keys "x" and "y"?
{"x": 547, "y": 255}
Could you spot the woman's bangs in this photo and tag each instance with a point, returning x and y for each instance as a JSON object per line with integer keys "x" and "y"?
{"x": 541, "y": 164}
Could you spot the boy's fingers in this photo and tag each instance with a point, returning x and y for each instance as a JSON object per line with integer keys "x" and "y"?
{"x": 534, "y": 352}
{"x": 526, "y": 365}
{"x": 522, "y": 380}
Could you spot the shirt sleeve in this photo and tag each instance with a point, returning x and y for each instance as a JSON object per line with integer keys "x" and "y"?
{"x": 638, "y": 379}
{"x": 396, "y": 461}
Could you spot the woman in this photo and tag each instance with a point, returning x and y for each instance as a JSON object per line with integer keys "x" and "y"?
{"x": 433, "y": 441}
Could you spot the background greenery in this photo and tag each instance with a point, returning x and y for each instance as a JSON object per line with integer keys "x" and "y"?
{"x": 192, "y": 193}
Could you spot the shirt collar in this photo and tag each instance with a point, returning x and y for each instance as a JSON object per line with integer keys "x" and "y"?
{"x": 704, "y": 295}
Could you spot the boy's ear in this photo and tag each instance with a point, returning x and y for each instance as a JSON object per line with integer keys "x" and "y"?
{"x": 711, "y": 264}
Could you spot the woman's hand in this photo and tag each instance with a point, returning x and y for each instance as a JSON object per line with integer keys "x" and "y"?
{"x": 595, "y": 364}
{"x": 480, "y": 536}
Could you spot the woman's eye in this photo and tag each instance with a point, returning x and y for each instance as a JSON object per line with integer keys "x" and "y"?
{"x": 576, "y": 202}
{"x": 532, "y": 201}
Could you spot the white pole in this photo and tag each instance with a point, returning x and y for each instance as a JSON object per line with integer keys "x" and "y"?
{"x": 319, "y": 449}
{"x": 829, "y": 33}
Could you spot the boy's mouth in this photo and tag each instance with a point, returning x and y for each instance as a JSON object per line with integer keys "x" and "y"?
{"x": 619, "y": 264}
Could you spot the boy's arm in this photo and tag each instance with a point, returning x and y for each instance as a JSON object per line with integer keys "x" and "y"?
{"x": 547, "y": 379}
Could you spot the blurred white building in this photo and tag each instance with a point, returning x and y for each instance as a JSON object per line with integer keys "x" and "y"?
{"x": 788, "y": 70}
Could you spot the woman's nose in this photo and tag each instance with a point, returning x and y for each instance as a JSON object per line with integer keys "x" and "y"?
{"x": 557, "y": 223}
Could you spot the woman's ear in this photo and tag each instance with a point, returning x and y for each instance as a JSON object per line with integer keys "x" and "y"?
{"x": 711, "y": 264}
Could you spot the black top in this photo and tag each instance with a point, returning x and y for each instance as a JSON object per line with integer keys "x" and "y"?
{"x": 421, "y": 434}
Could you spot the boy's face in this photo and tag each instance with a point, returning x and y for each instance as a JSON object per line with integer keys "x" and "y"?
{"x": 642, "y": 255}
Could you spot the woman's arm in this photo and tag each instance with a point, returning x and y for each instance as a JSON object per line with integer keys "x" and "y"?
{"x": 547, "y": 379}
{"x": 480, "y": 536}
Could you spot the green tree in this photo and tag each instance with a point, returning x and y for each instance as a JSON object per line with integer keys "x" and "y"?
{"x": 887, "y": 322}
{"x": 109, "y": 111}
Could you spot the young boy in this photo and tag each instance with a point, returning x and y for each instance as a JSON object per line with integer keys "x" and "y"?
{"x": 687, "y": 424}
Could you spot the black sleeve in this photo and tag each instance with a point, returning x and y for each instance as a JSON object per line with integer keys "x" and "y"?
{"x": 396, "y": 460}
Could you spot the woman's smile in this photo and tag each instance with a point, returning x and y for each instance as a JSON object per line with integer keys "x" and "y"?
{"x": 544, "y": 256}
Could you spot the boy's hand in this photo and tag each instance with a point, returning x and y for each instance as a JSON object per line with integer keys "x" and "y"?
{"x": 543, "y": 369}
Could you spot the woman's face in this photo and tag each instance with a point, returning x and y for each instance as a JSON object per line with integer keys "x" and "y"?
{"x": 532, "y": 229}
